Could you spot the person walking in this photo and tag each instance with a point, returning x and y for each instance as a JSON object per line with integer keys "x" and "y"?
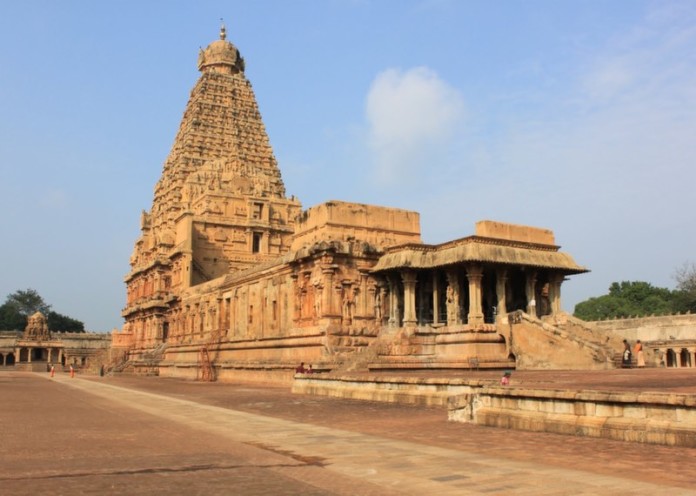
{"x": 638, "y": 352}
{"x": 626, "y": 356}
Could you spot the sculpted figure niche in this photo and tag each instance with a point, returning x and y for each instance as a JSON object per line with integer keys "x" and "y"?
{"x": 37, "y": 327}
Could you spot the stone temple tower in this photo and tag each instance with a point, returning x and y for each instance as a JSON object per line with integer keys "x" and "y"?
{"x": 219, "y": 206}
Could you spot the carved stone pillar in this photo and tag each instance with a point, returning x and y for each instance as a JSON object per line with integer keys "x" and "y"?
{"x": 327, "y": 303}
{"x": 318, "y": 300}
{"x": 409, "y": 279}
{"x": 474, "y": 274}
{"x": 295, "y": 297}
{"x": 394, "y": 318}
{"x": 378, "y": 294}
{"x": 307, "y": 295}
{"x": 219, "y": 313}
{"x": 436, "y": 298}
{"x": 347, "y": 303}
{"x": 500, "y": 290}
{"x": 452, "y": 295}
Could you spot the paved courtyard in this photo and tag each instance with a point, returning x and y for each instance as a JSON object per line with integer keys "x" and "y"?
{"x": 139, "y": 435}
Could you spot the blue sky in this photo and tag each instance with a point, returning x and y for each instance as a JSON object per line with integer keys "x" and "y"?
{"x": 577, "y": 116}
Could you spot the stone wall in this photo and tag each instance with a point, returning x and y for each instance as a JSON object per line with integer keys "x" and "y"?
{"x": 514, "y": 232}
{"x": 376, "y": 225}
{"x": 662, "y": 328}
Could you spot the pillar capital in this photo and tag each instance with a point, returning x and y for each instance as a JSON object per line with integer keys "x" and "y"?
{"x": 474, "y": 271}
{"x": 408, "y": 276}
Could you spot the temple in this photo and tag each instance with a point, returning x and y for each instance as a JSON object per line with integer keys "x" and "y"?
{"x": 36, "y": 348}
{"x": 230, "y": 277}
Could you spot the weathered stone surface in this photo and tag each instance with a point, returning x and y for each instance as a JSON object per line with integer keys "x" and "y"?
{"x": 638, "y": 417}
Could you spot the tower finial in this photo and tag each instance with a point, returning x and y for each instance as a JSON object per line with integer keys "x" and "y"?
{"x": 223, "y": 31}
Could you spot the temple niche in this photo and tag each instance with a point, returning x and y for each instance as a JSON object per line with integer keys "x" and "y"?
{"x": 231, "y": 277}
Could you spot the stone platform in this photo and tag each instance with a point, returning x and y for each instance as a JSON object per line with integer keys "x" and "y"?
{"x": 654, "y": 406}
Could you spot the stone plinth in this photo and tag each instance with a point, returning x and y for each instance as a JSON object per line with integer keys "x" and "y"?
{"x": 652, "y": 418}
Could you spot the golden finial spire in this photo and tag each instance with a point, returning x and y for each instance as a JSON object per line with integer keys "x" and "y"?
{"x": 223, "y": 31}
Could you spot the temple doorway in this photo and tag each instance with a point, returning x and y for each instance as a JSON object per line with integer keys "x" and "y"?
{"x": 685, "y": 358}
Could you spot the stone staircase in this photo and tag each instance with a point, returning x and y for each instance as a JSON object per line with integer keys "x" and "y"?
{"x": 560, "y": 342}
{"x": 360, "y": 359}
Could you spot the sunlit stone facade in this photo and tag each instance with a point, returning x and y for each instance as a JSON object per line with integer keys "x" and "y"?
{"x": 230, "y": 273}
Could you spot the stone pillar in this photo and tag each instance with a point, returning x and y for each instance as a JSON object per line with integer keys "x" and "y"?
{"x": 318, "y": 299}
{"x": 378, "y": 298}
{"x": 452, "y": 301}
{"x": 220, "y": 314}
{"x": 530, "y": 289}
{"x": 474, "y": 274}
{"x": 235, "y": 313}
{"x": 393, "y": 301}
{"x": 436, "y": 298}
{"x": 555, "y": 282}
{"x": 347, "y": 303}
{"x": 307, "y": 294}
{"x": 409, "y": 279}
{"x": 295, "y": 297}
{"x": 327, "y": 291}
{"x": 500, "y": 290}
{"x": 361, "y": 310}
{"x": 29, "y": 353}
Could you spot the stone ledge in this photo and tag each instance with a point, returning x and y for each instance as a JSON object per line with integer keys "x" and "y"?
{"x": 649, "y": 398}
{"x": 410, "y": 391}
{"x": 651, "y": 418}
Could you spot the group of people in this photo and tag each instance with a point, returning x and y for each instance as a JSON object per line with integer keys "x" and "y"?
{"x": 301, "y": 369}
{"x": 626, "y": 357}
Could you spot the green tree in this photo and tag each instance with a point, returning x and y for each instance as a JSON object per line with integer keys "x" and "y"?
{"x": 61, "y": 323}
{"x": 11, "y": 319}
{"x": 685, "y": 295}
{"x": 628, "y": 299}
{"x": 28, "y": 302}
{"x": 21, "y": 304}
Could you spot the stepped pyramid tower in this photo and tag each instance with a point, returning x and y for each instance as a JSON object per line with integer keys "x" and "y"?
{"x": 219, "y": 206}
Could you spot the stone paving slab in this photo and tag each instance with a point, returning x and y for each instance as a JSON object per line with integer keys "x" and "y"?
{"x": 350, "y": 447}
{"x": 205, "y": 438}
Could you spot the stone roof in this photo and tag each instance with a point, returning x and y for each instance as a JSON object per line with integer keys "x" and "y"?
{"x": 478, "y": 249}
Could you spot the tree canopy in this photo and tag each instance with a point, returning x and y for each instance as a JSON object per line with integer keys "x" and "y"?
{"x": 686, "y": 287}
{"x": 634, "y": 299}
{"x": 21, "y": 304}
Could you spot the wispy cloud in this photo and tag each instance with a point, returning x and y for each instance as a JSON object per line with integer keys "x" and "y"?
{"x": 411, "y": 116}
{"x": 606, "y": 160}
